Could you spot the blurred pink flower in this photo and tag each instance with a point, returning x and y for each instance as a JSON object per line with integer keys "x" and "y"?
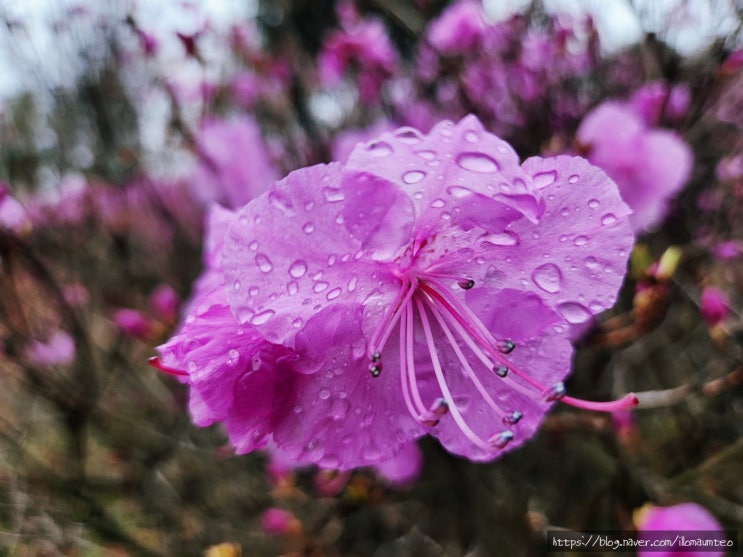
{"x": 460, "y": 28}
{"x": 13, "y": 216}
{"x": 59, "y": 350}
{"x": 676, "y": 519}
{"x": 278, "y": 522}
{"x": 233, "y": 165}
{"x": 713, "y": 305}
{"x": 363, "y": 47}
{"x": 132, "y": 323}
{"x": 164, "y": 303}
{"x": 649, "y": 165}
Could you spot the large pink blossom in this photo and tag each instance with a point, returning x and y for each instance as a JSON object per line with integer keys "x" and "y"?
{"x": 677, "y": 519}
{"x": 649, "y": 165}
{"x": 427, "y": 285}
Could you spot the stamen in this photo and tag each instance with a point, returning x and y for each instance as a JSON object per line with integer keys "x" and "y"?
{"x": 500, "y": 440}
{"x": 414, "y": 412}
{"x": 513, "y": 418}
{"x": 460, "y": 356}
{"x": 387, "y": 325}
{"x": 466, "y": 284}
{"x": 376, "y": 357}
{"x": 500, "y": 371}
{"x": 439, "y": 408}
{"x": 456, "y": 415}
{"x": 624, "y": 403}
{"x": 375, "y": 369}
{"x": 157, "y": 364}
{"x": 419, "y": 411}
{"x": 555, "y": 392}
{"x": 505, "y": 346}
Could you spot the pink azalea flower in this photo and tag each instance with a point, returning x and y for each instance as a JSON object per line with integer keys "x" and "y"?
{"x": 164, "y": 302}
{"x": 649, "y": 165}
{"x": 278, "y": 522}
{"x": 426, "y": 286}
{"x": 59, "y": 350}
{"x": 713, "y": 305}
{"x": 459, "y": 29}
{"x": 233, "y": 163}
{"x": 363, "y": 47}
{"x": 132, "y": 323}
{"x": 12, "y": 214}
{"x": 677, "y": 518}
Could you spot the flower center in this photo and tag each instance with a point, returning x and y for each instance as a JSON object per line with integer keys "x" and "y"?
{"x": 427, "y": 295}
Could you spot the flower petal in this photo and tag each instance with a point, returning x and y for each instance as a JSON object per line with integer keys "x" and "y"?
{"x": 576, "y": 259}
{"x": 288, "y": 255}
{"x": 452, "y": 162}
{"x": 340, "y": 417}
{"x": 543, "y": 351}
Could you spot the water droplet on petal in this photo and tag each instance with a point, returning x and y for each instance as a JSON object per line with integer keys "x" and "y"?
{"x": 333, "y": 294}
{"x": 298, "y": 268}
{"x": 506, "y": 238}
{"x": 591, "y": 262}
{"x": 580, "y": 241}
{"x": 281, "y": 201}
{"x": 547, "y": 277}
{"x": 437, "y": 203}
{"x": 458, "y": 191}
{"x": 297, "y": 323}
{"x": 333, "y": 195}
{"x": 428, "y": 155}
{"x": 264, "y": 263}
{"x": 544, "y": 179}
{"x": 252, "y": 246}
{"x": 352, "y": 284}
{"x": 413, "y": 176}
{"x": 573, "y": 312}
{"x": 379, "y": 149}
{"x": 471, "y": 137}
{"x": 236, "y": 285}
{"x": 308, "y": 228}
{"x": 596, "y": 306}
{"x": 244, "y": 314}
{"x": 292, "y": 288}
{"x": 232, "y": 357}
{"x": 319, "y": 286}
{"x": 340, "y": 408}
{"x": 608, "y": 218}
{"x": 477, "y": 162}
{"x": 409, "y": 136}
{"x": 253, "y": 291}
{"x": 593, "y": 203}
{"x": 262, "y": 317}
{"x": 324, "y": 394}
{"x": 573, "y": 179}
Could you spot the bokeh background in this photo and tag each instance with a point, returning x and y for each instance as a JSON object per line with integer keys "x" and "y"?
{"x": 121, "y": 121}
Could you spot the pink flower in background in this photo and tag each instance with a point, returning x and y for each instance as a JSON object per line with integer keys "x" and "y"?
{"x": 460, "y": 28}
{"x": 278, "y": 522}
{"x": 678, "y": 519}
{"x": 164, "y": 303}
{"x": 426, "y": 286}
{"x": 132, "y": 323}
{"x": 12, "y": 214}
{"x": 233, "y": 165}
{"x": 363, "y": 47}
{"x": 59, "y": 350}
{"x": 713, "y": 305}
{"x": 656, "y": 101}
{"x": 649, "y": 165}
